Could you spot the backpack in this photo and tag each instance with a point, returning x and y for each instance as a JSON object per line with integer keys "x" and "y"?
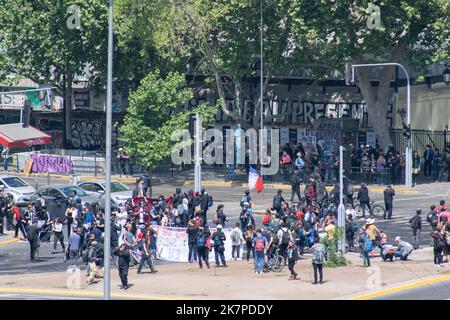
{"x": 277, "y": 202}
{"x": 210, "y": 201}
{"x": 433, "y": 219}
{"x": 201, "y": 241}
{"x": 368, "y": 245}
{"x": 218, "y": 240}
{"x": 215, "y": 218}
{"x": 285, "y": 238}
{"x": 439, "y": 243}
{"x": 235, "y": 236}
{"x": 265, "y": 219}
{"x": 259, "y": 245}
{"x": 414, "y": 222}
{"x": 318, "y": 255}
{"x": 300, "y": 234}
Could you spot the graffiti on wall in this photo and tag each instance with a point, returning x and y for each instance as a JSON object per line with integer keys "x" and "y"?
{"x": 90, "y": 135}
{"x": 86, "y": 134}
{"x": 43, "y": 163}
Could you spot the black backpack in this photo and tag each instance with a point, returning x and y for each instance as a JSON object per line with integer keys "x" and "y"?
{"x": 285, "y": 238}
{"x": 277, "y": 202}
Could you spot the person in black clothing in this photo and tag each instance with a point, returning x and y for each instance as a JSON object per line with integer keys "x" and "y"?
{"x": 146, "y": 244}
{"x": 295, "y": 186}
{"x": 2, "y": 211}
{"x": 192, "y": 232}
{"x": 221, "y": 216}
{"x": 204, "y": 205}
{"x": 124, "y": 264}
{"x": 364, "y": 200}
{"x": 389, "y": 194}
{"x": 219, "y": 246}
{"x": 9, "y": 213}
{"x": 292, "y": 255}
{"x": 416, "y": 226}
{"x": 428, "y": 156}
{"x": 277, "y": 202}
{"x": 191, "y": 204}
{"x": 115, "y": 231}
{"x": 147, "y": 184}
{"x": 202, "y": 248}
{"x": 33, "y": 240}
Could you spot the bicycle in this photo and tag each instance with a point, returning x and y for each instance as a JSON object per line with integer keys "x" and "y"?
{"x": 375, "y": 210}
{"x": 275, "y": 262}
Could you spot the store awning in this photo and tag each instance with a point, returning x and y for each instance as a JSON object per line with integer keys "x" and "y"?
{"x": 15, "y": 135}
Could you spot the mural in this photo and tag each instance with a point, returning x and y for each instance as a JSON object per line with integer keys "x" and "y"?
{"x": 50, "y": 164}
{"x": 90, "y": 134}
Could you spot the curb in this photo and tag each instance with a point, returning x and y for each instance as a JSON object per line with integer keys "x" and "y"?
{"x": 88, "y": 294}
{"x": 8, "y": 241}
{"x": 401, "y": 288}
{"x": 217, "y": 183}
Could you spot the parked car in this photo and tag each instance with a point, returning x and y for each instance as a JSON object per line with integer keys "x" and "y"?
{"x": 19, "y": 189}
{"x": 120, "y": 193}
{"x": 55, "y": 198}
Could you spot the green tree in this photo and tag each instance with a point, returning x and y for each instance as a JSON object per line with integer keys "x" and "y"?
{"x": 48, "y": 42}
{"x": 415, "y": 31}
{"x": 155, "y": 112}
{"x": 219, "y": 39}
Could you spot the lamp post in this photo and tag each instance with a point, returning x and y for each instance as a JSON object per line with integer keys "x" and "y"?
{"x": 107, "y": 240}
{"x": 408, "y": 167}
{"x": 261, "y": 111}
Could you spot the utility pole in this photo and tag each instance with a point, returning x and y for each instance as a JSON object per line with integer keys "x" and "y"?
{"x": 261, "y": 108}
{"x": 107, "y": 240}
{"x": 341, "y": 208}
{"x": 350, "y": 79}
{"x": 197, "y": 152}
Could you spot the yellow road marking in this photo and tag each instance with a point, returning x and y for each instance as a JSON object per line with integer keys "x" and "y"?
{"x": 401, "y": 288}
{"x": 8, "y": 241}
{"x": 88, "y": 294}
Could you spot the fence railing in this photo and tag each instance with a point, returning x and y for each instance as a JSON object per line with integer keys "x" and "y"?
{"x": 420, "y": 138}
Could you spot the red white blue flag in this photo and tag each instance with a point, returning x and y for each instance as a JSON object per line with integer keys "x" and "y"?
{"x": 255, "y": 181}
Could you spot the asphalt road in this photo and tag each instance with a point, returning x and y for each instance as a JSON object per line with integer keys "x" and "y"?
{"x": 14, "y": 257}
{"x": 432, "y": 291}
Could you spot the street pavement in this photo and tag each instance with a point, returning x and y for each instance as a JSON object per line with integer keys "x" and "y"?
{"x": 431, "y": 291}
{"x": 15, "y": 256}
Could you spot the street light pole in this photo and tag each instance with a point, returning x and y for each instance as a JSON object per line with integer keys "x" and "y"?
{"x": 261, "y": 102}
{"x": 408, "y": 166}
{"x": 107, "y": 240}
{"x": 341, "y": 208}
{"x": 197, "y": 152}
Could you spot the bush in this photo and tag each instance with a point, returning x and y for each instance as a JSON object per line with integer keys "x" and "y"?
{"x": 334, "y": 259}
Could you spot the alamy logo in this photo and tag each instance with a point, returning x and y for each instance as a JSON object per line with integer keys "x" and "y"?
{"x": 250, "y": 146}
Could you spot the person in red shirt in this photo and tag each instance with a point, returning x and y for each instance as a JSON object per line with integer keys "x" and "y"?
{"x": 441, "y": 205}
{"x": 266, "y": 219}
{"x": 19, "y": 222}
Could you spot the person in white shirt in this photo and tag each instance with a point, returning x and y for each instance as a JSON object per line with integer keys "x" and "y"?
{"x": 122, "y": 216}
{"x": 237, "y": 238}
{"x": 350, "y": 211}
{"x": 58, "y": 235}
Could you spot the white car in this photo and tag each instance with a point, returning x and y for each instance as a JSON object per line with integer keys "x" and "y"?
{"x": 19, "y": 189}
{"x": 120, "y": 193}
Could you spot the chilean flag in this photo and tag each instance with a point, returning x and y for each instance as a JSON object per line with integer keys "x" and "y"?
{"x": 255, "y": 181}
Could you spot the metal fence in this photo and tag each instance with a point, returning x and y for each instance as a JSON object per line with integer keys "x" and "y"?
{"x": 421, "y": 138}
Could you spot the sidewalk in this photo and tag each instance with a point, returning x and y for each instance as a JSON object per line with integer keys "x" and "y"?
{"x": 187, "y": 281}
